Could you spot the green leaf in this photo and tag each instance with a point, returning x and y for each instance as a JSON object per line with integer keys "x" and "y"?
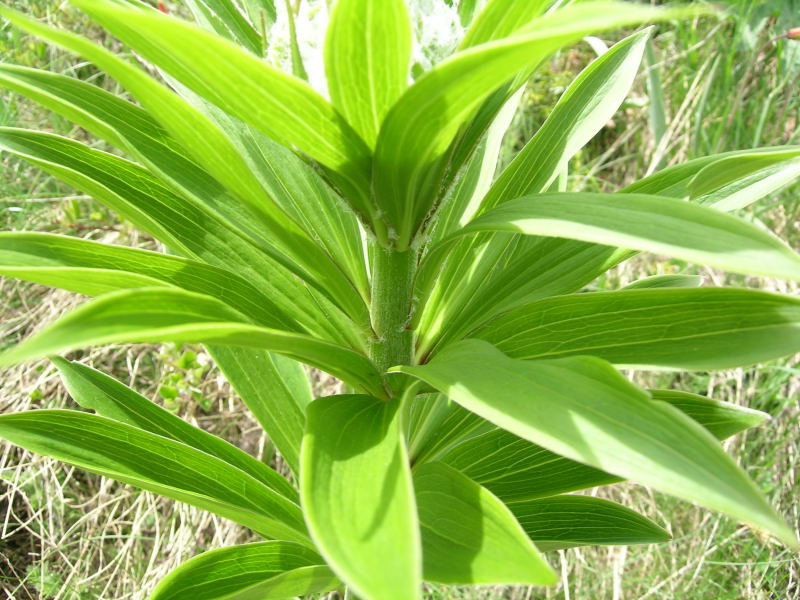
{"x": 275, "y": 389}
{"x": 92, "y": 268}
{"x": 165, "y": 315}
{"x": 568, "y": 521}
{"x": 356, "y": 490}
{"x": 225, "y": 18}
{"x": 110, "y": 398}
{"x": 649, "y": 223}
{"x": 583, "y": 110}
{"x": 261, "y": 571}
{"x": 182, "y": 225}
{"x": 157, "y": 464}
{"x": 666, "y": 281}
{"x": 500, "y": 18}
{"x": 367, "y": 56}
{"x": 424, "y": 121}
{"x": 469, "y": 536}
{"x": 516, "y": 470}
{"x": 582, "y": 409}
{"x": 283, "y": 107}
{"x": 697, "y": 328}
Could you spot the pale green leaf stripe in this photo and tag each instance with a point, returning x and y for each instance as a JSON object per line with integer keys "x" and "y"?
{"x": 358, "y": 498}
{"x": 131, "y": 191}
{"x": 469, "y": 537}
{"x": 92, "y": 268}
{"x": 262, "y": 571}
{"x": 666, "y": 281}
{"x": 698, "y": 328}
{"x": 275, "y": 389}
{"x": 172, "y": 315}
{"x": 569, "y": 521}
{"x": 424, "y": 121}
{"x": 647, "y": 223}
{"x": 367, "y": 56}
{"x": 515, "y": 469}
{"x": 581, "y": 408}
{"x": 157, "y": 464}
{"x": 110, "y": 398}
{"x": 583, "y": 110}
{"x": 283, "y": 107}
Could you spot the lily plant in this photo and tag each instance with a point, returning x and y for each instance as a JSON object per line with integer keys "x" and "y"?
{"x": 368, "y": 233}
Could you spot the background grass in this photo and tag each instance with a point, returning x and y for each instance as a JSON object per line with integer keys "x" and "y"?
{"x": 709, "y": 85}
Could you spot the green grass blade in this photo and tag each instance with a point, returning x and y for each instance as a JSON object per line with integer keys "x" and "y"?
{"x": 583, "y": 409}
{"x": 264, "y": 571}
{"x": 469, "y": 537}
{"x": 356, "y": 490}
{"x": 367, "y": 59}
{"x": 157, "y": 464}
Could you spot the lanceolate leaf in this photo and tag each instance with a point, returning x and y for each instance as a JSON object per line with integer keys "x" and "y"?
{"x": 367, "y": 56}
{"x": 424, "y": 121}
{"x": 166, "y": 315}
{"x": 501, "y": 18}
{"x": 514, "y": 469}
{"x": 699, "y": 328}
{"x": 275, "y": 389}
{"x": 581, "y": 408}
{"x": 224, "y": 17}
{"x": 666, "y": 281}
{"x": 469, "y": 536}
{"x": 184, "y": 227}
{"x": 283, "y": 107}
{"x": 110, "y": 398}
{"x": 93, "y": 268}
{"x": 648, "y": 223}
{"x": 157, "y": 464}
{"x": 263, "y": 571}
{"x": 357, "y": 494}
{"x": 569, "y": 521}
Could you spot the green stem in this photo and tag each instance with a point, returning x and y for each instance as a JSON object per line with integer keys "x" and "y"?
{"x": 390, "y": 310}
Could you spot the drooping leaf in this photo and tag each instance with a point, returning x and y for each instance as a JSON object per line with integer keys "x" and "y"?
{"x": 275, "y": 389}
{"x": 568, "y": 521}
{"x": 261, "y": 571}
{"x": 283, "y": 107}
{"x": 356, "y": 490}
{"x": 582, "y": 409}
{"x": 469, "y": 536}
{"x": 696, "y": 328}
{"x": 157, "y": 464}
{"x": 515, "y": 469}
{"x": 648, "y": 223}
{"x": 367, "y": 56}
{"x": 172, "y": 315}
{"x": 110, "y": 398}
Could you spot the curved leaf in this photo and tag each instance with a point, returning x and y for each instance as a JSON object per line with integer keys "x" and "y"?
{"x": 157, "y": 464}
{"x": 568, "y": 521}
{"x": 356, "y": 490}
{"x": 581, "y": 408}
{"x": 696, "y": 328}
{"x": 666, "y": 281}
{"x": 649, "y": 223}
{"x": 261, "y": 571}
{"x": 164, "y": 315}
{"x": 110, "y": 398}
{"x": 469, "y": 536}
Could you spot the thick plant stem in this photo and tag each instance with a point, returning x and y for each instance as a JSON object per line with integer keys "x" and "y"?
{"x": 390, "y": 310}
